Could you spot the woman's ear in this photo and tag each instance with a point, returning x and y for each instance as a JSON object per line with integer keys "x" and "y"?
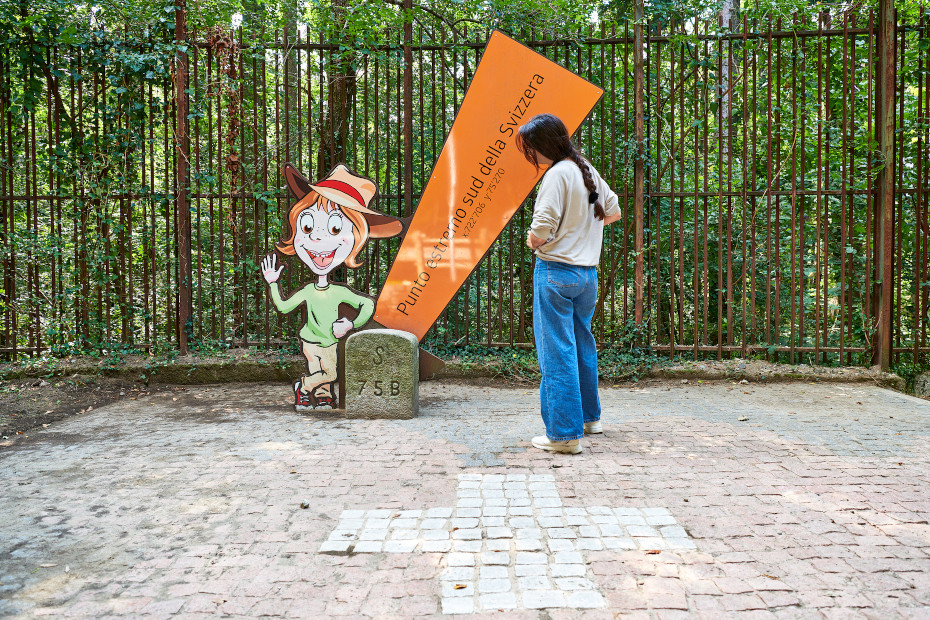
{"x": 298, "y": 185}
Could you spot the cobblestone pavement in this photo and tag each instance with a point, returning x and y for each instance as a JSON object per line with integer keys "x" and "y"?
{"x": 758, "y": 501}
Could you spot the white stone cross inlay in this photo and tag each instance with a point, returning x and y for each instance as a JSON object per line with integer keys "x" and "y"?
{"x": 510, "y": 543}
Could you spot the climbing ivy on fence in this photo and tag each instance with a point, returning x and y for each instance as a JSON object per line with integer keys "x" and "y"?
{"x": 88, "y": 165}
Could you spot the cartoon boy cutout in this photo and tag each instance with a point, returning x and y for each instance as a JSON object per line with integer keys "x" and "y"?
{"x": 327, "y": 226}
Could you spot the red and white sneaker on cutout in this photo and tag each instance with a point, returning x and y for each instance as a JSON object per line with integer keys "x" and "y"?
{"x": 302, "y": 400}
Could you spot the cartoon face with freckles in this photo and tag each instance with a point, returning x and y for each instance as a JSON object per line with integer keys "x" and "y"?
{"x": 324, "y": 236}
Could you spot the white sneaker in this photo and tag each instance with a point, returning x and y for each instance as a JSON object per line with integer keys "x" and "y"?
{"x": 570, "y": 446}
{"x": 593, "y": 428}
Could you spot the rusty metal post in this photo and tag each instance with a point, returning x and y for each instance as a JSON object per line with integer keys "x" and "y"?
{"x": 408, "y": 108}
{"x": 884, "y": 216}
{"x": 639, "y": 162}
{"x": 182, "y": 143}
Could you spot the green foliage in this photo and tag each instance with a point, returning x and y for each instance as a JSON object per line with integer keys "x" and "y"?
{"x": 89, "y": 91}
{"x": 500, "y": 362}
{"x": 627, "y": 357}
{"x": 908, "y": 369}
{"x": 363, "y": 21}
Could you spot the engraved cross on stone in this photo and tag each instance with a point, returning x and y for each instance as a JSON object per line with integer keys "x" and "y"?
{"x": 510, "y": 543}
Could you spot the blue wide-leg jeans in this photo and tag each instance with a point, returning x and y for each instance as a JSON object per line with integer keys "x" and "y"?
{"x": 564, "y": 297}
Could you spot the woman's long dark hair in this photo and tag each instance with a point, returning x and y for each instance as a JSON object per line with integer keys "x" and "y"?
{"x": 547, "y": 134}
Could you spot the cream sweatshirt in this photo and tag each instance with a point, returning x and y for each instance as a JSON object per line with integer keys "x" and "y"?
{"x": 563, "y": 216}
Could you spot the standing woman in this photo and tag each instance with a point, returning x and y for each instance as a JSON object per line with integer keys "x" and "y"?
{"x": 572, "y": 206}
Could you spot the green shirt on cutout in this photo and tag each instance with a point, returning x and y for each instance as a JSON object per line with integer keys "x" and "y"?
{"x": 323, "y": 309}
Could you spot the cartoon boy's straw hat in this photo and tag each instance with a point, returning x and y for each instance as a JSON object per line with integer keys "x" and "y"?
{"x": 347, "y": 189}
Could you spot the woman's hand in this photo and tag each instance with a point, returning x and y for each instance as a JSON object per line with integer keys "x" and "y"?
{"x": 532, "y": 241}
{"x": 342, "y": 327}
{"x": 270, "y": 269}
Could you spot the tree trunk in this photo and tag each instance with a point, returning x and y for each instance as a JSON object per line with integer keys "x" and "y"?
{"x": 729, "y": 17}
{"x": 340, "y": 97}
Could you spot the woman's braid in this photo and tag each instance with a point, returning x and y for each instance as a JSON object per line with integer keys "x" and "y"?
{"x": 576, "y": 157}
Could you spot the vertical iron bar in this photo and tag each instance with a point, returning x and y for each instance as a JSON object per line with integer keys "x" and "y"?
{"x": 183, "y": 147}
{"x": 728, "y": 145}
{"x": 844, "y": 174}
{"x": 269, "y": 199}
{"x": 769, "y": 130}
{"x": 5, "y": 189}
{"x": 722, "y": 122}
{"x": 705, "y": 202}
{"x": 244, "y": 277}
{"x": 884, "y": 126}
{"x": 795, "y": 126}
{"x": 221, "y": 214}
{"x": 702, "y": 122}
{"x": 819, "y": 227}
{"x": 871, "y": 195}
{"x": 920, "y": 307}
{"x": 679, "y": 259}
{"x": 744, "y": 336}
{"x": 408, "y": 108}
{"x": 898, "y": 261}
{"x": 626, "y": 185}
{"x": 199, "y": 191}
{"x": 779, "y": 164}
{"x": 653, "y": 219}
{"x": 639, "y": 112}
{"x": 211, "y": 230}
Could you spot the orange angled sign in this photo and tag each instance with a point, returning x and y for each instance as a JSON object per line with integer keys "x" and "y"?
{"x": 479, "y": 180}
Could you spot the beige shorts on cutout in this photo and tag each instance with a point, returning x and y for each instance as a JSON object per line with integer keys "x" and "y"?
{"x": 322, "y": 365}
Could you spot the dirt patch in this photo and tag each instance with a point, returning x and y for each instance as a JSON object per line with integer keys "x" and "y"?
{"x": 26, "y": 404}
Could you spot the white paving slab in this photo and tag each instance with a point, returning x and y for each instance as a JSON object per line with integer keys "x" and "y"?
{"x": 509, "y": 542}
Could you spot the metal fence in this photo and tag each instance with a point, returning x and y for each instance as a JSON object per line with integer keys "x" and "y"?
{"x": 132, "y": 216}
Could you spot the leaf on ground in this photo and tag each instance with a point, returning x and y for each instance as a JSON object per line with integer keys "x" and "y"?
{"x": 459, "y": 586}
{"x": 654, "y": 552}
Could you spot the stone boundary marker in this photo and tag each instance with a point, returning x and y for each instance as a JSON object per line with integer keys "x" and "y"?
{"x": 509, "y": 543}
{"x": 382, "y": 374}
